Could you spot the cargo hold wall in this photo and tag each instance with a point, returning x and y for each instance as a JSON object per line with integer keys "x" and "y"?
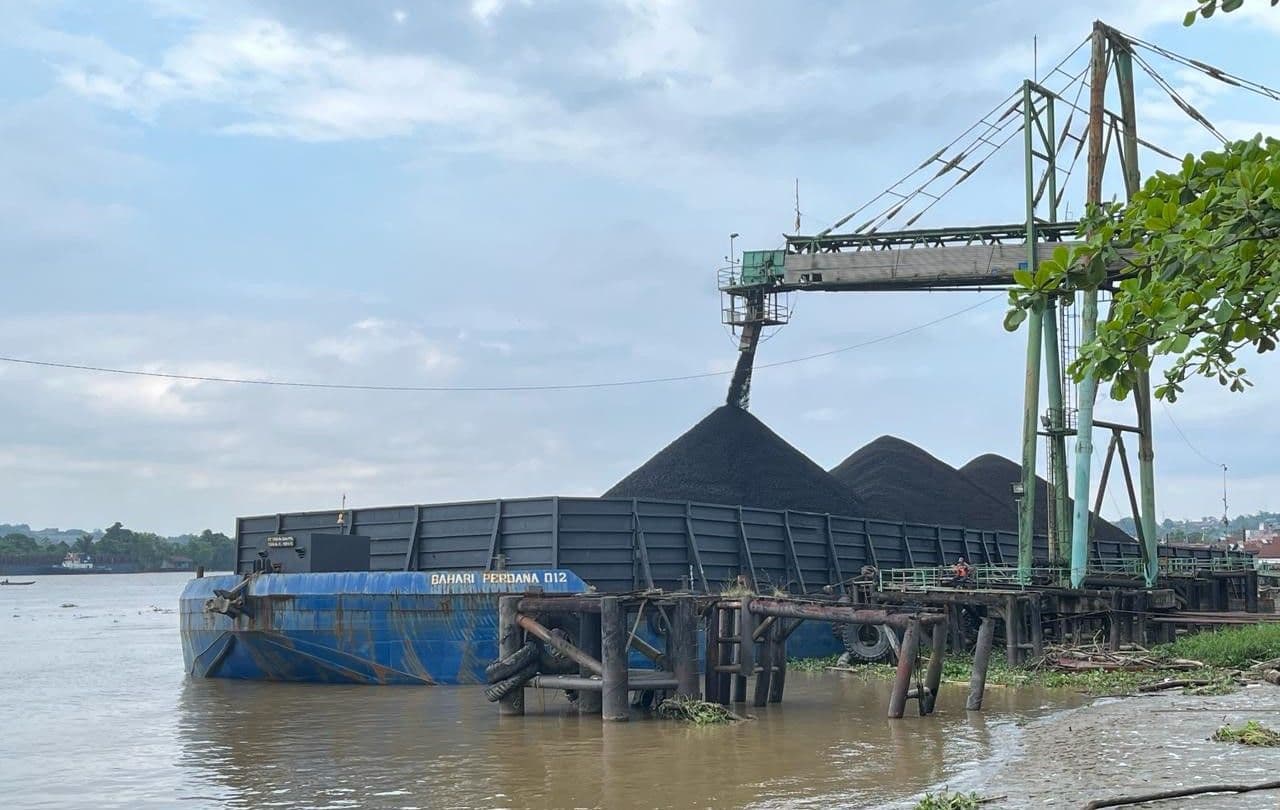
{"x": 623, "y": 544}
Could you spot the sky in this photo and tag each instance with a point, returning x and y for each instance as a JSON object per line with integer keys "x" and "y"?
{"x": 514, "y": 193}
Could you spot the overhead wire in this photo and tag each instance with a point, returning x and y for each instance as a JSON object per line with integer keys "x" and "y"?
{"x": 1187, "y": 441}
{"x": 202, "y": 378}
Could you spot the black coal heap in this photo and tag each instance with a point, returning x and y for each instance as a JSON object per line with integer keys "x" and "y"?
{"x": 995, "y": 474}
{"x": 900, "y": 481}
{"x": 731, "y": 457}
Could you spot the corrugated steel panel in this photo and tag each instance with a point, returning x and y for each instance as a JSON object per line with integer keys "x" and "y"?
{"x": 618, "y": 544}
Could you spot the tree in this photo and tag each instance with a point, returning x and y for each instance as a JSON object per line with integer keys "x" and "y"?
{"x": 1193, "y": 260}
{"x": 1206, "y": 9}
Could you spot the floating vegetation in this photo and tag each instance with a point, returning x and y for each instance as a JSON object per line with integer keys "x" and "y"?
{"x": 1251, "y": 733}
{"x": 695, "y": 711}
{"x": 950, "y": 801}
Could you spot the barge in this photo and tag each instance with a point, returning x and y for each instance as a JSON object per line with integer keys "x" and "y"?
{"x": 408, "y": 594}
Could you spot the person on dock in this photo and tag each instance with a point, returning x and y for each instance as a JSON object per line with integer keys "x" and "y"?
{"x": 962, "y": 574}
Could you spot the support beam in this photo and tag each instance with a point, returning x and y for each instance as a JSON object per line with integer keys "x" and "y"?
{"x": 981, "y": 658}
{"x": 589, "y": 641}
{"x": 1142, "y": 385}
{"x": 509, "y": 641}
{"x": 613, "y": 643}
{"x": 933, "y": 676}
{"x": 902, "y": 678}
{"x": 1088, "y": 390}
{"x": 1030, "y": 435}
{"x": 1059, "y": 536}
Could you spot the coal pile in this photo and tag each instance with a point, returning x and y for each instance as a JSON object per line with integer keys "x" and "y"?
{"x": 731, "y": 457}
{"x": 995, "y": 474}
{"x": 901, "y": 482}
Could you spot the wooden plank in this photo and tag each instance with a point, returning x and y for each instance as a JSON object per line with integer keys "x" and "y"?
{"x": 637, "y": 539}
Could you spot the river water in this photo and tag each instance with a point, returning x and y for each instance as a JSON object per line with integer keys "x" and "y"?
{"x": 99, "y": 713}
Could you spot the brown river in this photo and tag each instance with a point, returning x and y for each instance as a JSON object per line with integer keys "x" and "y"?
{"x": 99, "y": 713}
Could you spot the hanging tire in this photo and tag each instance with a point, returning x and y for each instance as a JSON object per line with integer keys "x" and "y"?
{"x": 865, "y": 643}
{"x": 553, "y": 662}
{"x": 497, "y": 691}
{"x": 506, "y": 667}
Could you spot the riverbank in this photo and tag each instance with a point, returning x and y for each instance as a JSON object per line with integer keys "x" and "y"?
{"x": 1121, "y": 746}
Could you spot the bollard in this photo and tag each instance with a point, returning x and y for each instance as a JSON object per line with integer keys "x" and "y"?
{"x": 613, "y": 654}
{"x": 200, "y": 572}
{"x": 933, "y": 677}
{"x": 589, "y": 643}
{"x": 981, "y": 657}
{"x": 509, "y": 641}
{"x": 906, "y": 662}
{"x": 682, "y": 648}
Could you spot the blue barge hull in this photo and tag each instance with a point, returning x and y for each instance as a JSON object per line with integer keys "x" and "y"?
{"x": 403, "y": 627}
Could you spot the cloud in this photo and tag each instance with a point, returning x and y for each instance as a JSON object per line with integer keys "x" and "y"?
{"x": 375, "y": 338}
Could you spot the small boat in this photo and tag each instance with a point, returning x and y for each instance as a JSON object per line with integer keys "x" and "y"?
{"x": 7, "y": 581}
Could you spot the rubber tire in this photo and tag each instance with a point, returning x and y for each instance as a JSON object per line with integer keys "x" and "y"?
{"x": 861, "y": 651}
{"x": 504, "y": 668}
{"x": 553, "y": 662}
{"x": 497, "y": 691}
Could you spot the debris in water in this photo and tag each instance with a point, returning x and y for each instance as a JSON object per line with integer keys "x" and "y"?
{"x": 902, "y": 482}
{"x": 731, "y": 457}
{"x": 696, "y": 711}
{"x": 1251, "y": 733}
{"x": 69, "y": 604}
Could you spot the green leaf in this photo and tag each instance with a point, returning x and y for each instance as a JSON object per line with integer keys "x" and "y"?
{"x": 1024, "y": 278}
{"x": 1180, "y": 343}
{"x": 1231, "y": 5}
{"x": 1014, "y": 318}
{"x": 1189, "y": 19}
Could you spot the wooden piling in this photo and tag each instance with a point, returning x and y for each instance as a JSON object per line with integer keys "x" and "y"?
{"x": 906, "y": 663}
{"x": 1036, "y": 617}
{"x": 981, "y": 657}
{"x": 613, "y": 654}
{"x": 933, "y": 677}
{"x": 765, "y": 676}
{"x": 778, "y": 652}
{"x": 724, "y": 657}
{"x": 589, "y": 642}
{"x": 744, "y": 627}
{"x": 510, "y": 639}
{"x": 1012, "y": 631}
{"x": 682, "y": 647}
{"x": 1114, "y": 617}
{"x": 710, "y": 678}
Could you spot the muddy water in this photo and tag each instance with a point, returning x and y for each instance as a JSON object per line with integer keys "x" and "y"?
{"x": 98, "y": 713}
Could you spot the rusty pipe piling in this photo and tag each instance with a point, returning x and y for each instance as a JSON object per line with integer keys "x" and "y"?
{"x": 981, "y": 657}
{"x": 902, "y": 678}
{"x": 613, "y": 650}
{"x": 571, "y": 652}
{"x": 509, "y": 641}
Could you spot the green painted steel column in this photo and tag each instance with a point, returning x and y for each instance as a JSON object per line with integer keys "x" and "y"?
{"x": 1030, "y": 424}
{"x": 1142, "y": 385}
{"x": 1057, "y": 421}
{"x": 1087, "y": 393}
{"x": 1035, "y": 333}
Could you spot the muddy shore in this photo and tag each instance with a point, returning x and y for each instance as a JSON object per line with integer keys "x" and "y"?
{"x": 1120, "y": 746}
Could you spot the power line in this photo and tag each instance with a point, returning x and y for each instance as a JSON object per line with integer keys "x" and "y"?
{"x": 1195, "y": 449}
{"x": 484, "y": 388}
